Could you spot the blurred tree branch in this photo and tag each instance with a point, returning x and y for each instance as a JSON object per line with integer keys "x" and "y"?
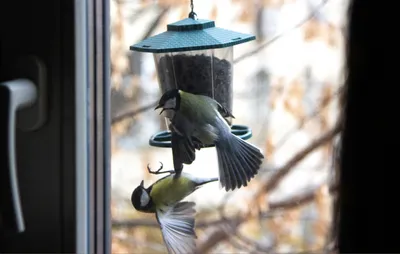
{"x": 153, "y": 223}
{"x": 227, "y": 227}
{"x": 267, "y": 186}
{"x": 242, "y": 57}
{"x": 253, "y": 244}
{"x": 272, "y": 182}
{"x": 155, "y": 22}
{"x": 303, "y": 121}
{"x": 306, "y": 119}
{"x": 277, "y": 37}
{"x": 132, "y": 113}
{"x": 150, "y": 30}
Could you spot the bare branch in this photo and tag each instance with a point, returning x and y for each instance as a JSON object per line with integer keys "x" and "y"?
{"x": 132, "y": 223}
{"x": 277, "y": 37}
{"x": 153, "y": 223}
{"x": 133, "y": 113}
{"x": 155, "y": 22}
{"x": 256, "y": 246}
{"x": 239, "y": 245}
{"x": 297, "y": 200}
{"x": 233, "y": 222}
{"x": 244, "y": 56}
{"x": 271, "y": 183}
{"x": 150, "y": 30}
{"x": 222, "y": 234}
{"x": 308, "y": 118}
{"x": 227, "y": 227}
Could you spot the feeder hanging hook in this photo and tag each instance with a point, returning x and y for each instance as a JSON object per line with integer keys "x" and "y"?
{"x": 192, "y": 14}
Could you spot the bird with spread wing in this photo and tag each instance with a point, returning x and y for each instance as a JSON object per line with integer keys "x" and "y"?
{"x": 175, "y": 217}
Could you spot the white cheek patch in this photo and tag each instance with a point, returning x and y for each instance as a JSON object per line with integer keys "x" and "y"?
{"x": 170, "y": 104}
{"x": 144, "y": 199}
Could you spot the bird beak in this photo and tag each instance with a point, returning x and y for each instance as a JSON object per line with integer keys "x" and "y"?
{"x": 142, "y": 183}
{"x": 160, "y": 106}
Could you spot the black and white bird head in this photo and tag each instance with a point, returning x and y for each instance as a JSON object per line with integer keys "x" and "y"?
{"x": 141, "y": 199}
{"x": 170, "y": 100}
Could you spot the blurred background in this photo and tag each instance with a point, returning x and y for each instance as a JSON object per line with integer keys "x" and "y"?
{"x": 287, "y": 85}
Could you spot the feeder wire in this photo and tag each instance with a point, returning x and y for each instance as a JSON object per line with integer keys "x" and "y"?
{"x": 192, "y": 14}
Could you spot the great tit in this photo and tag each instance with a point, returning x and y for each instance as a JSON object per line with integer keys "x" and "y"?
{"x": 176, "y": 218}
{"x": 197, "y": 120}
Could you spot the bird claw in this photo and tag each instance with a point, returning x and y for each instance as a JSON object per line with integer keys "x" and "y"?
{"x": 158, "y": 171}
{"x": 197, "y": 144}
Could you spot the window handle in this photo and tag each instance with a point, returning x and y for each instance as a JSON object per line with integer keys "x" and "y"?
{"x": 15, "y": 95}
{"x": 22, "y": 106}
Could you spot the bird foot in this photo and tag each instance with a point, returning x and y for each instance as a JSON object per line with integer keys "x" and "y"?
{"x": 158, "y": 171}
{"x": 197, "y": 144}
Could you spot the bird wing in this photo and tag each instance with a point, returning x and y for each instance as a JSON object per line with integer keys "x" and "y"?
{"x": 221, "y": 109}
{"x": 224, "y": 111}
{"x": 183, "y": 144}
{"x": 177, "y": 227}
{"x": 182, "y": 150}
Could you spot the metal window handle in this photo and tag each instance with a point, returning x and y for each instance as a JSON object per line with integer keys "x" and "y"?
{"x": 22, "y": 104}
{"x": 17, "y": 94}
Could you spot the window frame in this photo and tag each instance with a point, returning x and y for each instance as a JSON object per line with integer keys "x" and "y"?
{"x": 92, "y": 91}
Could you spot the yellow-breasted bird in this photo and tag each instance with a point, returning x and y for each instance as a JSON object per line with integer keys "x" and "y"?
{"x": 175, "y": 217}
{"x": 197, "y": 120}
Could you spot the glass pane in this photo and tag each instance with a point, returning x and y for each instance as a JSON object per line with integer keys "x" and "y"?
{"x": 286, "y": 86}
{"x": 223, "y": 78}
{"x": 165, "y": 71}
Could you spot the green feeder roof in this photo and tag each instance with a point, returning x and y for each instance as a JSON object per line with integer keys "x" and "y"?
{"x": 191, "y": 34}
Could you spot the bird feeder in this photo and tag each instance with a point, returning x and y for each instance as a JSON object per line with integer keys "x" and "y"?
{"x": 195, "y": 56}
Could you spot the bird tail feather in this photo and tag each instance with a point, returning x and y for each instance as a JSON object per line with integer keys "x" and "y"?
{"x": 238, "y": 161}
